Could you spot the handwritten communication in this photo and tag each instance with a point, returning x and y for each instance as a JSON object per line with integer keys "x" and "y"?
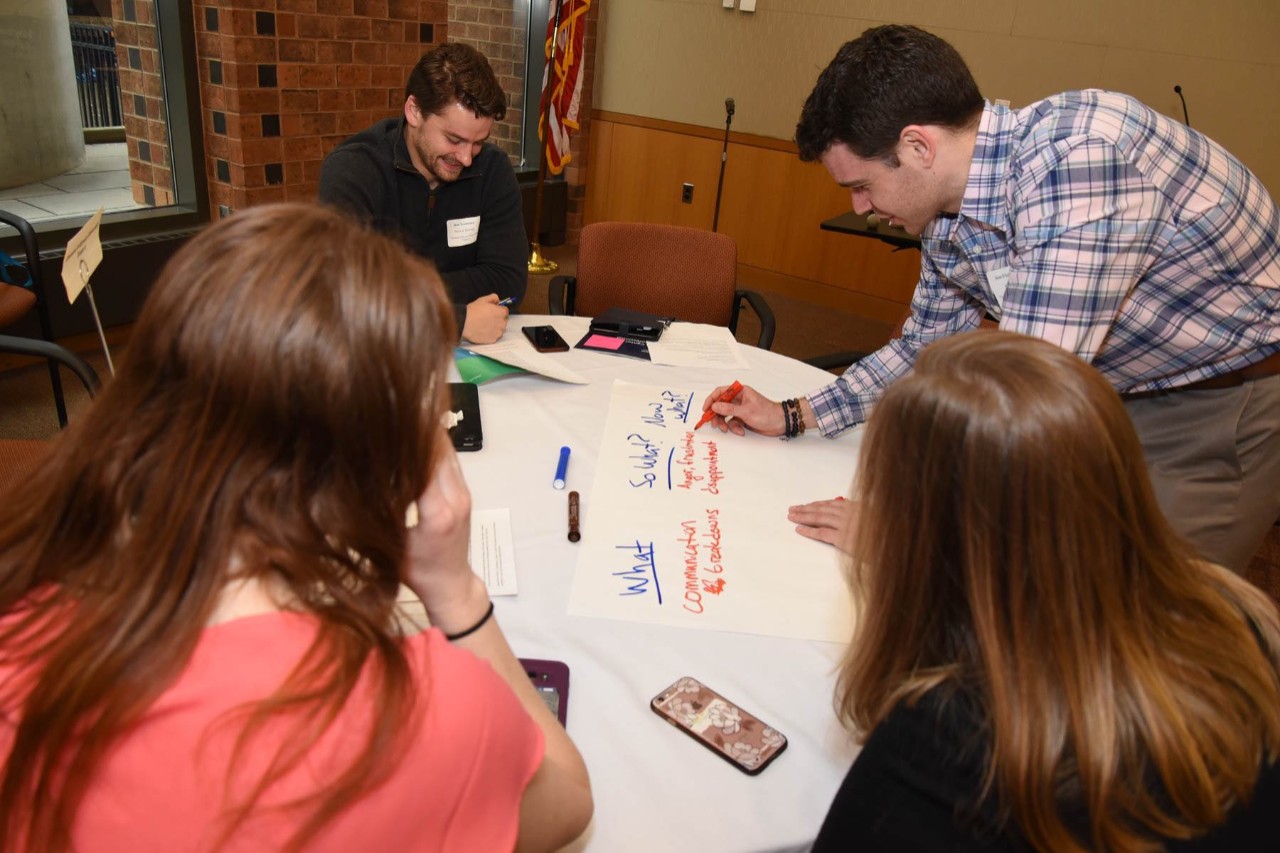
{"x": 689, "y": 528}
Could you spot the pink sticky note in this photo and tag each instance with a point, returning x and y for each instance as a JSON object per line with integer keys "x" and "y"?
{"x": 604, "y": 342}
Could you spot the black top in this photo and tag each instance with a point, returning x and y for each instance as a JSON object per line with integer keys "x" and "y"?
{"x": 371, "y": 176}
{"x": 914, "y": 788}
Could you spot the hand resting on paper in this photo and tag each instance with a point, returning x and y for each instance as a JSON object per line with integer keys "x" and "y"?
{"x": 827, "y": 521}
{"x": 750, "y": 410}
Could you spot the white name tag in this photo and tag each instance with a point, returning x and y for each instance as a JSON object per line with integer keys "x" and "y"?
{"x": 998, "y": 281}
{"x": 463, "y": 232}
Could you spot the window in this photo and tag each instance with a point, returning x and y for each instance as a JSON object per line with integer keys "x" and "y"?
{"x": 110, "y": 92}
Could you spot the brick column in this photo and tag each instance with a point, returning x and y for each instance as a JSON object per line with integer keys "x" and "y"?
{"x": 284, "y": 81}
{"x": 497, "y": 29}
{"x": 146, "y": 117}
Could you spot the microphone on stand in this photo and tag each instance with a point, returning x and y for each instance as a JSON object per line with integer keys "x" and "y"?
{"x": 1186, "y": 119}
{"x": 724, "y": 156}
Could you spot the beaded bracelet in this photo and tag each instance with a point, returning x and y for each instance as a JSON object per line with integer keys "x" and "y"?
{"x": 488, "y": 614}
{"x": 792, "y": 418}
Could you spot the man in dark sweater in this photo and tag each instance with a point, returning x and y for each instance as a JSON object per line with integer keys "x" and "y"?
{"x": 431, "y": 179}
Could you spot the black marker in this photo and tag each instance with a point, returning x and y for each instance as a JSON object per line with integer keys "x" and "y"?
{"x": 574, "y": 535}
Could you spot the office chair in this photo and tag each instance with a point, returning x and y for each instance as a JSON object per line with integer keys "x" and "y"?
{"x": 667, "y": 270}
{"x": 839, "y": 362}
{"x": 18, "y": 299}
{"x": 20, "y": 457}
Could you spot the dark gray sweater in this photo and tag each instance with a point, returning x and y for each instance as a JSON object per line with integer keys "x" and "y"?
{"x": 371, "y": 176}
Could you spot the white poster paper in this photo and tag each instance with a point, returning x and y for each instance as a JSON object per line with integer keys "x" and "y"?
{"x": 690, "y": 528}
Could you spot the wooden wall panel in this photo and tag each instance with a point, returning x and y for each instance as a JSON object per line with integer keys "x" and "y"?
{"x": 772, "y": 205}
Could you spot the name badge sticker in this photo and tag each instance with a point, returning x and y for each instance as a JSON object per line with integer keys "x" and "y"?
{"x": 998, "y": 282}
{"x": 463, "y": 232}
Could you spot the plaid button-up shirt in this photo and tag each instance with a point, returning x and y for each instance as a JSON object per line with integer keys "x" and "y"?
{"x": 1100, "y": 225}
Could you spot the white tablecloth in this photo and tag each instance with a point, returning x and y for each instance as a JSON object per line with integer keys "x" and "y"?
{"x": 655, "y": 788}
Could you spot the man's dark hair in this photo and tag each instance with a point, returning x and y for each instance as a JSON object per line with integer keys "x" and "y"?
{"x": 456, "y": 72}
{"x": 887, "y": 78}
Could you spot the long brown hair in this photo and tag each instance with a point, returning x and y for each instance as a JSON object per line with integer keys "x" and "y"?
{"x": 277, "y": 410}
{"x": 1011, "y": 547}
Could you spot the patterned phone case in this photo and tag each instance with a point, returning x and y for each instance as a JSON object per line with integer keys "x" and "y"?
{"x": 718, "y": 724}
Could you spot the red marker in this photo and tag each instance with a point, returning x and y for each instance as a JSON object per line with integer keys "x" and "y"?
{"x": 726, "y": 397}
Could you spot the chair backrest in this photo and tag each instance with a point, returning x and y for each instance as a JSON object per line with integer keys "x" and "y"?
{"x": 16, "y": 305}
{"x": 668, "y": 270}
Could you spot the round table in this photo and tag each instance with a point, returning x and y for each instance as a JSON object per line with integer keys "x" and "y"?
{"x": 655, "y": 788}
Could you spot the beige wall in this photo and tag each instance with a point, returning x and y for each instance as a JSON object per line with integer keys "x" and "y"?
{"x": 679, "y": 59}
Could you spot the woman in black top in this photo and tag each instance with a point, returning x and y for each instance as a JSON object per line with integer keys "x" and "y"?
{"x": 1040, "y": 663}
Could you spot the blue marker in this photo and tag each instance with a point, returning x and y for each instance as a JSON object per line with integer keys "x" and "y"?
{"x": 510, "y": 300}
{"x": 561, "y": 469}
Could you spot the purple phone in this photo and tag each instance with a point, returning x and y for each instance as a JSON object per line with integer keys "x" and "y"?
{"x": 551, "y": 679}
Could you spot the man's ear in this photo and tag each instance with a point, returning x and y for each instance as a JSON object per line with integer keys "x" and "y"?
{"x": 919, "y": 143}
{"x": 412, "y": 114}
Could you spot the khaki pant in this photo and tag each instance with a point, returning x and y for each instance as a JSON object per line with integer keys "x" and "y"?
{"x": 1214, "y": 460}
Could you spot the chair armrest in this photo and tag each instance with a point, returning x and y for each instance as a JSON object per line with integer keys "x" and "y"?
{"x": 31, "y": 249}
{"x": 55, "y": 352}
{"x": 762, "y": 310}
{"x": 560, "y": 294}
{"x": 836, "y": 360}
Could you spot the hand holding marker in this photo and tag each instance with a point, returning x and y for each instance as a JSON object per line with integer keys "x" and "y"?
{"x": 727, "y": 397}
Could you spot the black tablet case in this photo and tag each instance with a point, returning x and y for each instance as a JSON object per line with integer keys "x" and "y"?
{"x": 624, "y": 323}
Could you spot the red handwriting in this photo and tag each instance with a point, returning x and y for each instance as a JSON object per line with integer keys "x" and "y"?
{"x": 714, "y": 476}
{"x": 702, "y": 557}
{"x": 688, "y": 476}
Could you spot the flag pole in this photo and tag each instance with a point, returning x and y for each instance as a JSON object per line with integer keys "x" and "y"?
{"x": 537, "y": 263}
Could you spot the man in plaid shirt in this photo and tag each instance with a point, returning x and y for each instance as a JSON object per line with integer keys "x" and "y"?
{"x": 1088, "y": 220}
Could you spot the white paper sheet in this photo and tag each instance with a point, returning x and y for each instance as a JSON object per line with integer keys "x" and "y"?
{"x": 518, "y": 352}
{"x": 697, "y": 345}
{"x": 689, "y": 528}
{"x": 492, "y": 555}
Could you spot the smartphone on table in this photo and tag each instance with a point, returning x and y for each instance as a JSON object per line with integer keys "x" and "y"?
{"x": 545, "y": 339}
{"x": 551, "y": 679}
{"x": 737, "y": 736}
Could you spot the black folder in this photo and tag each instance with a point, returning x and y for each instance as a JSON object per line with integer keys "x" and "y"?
{"x": 624, "y": 323}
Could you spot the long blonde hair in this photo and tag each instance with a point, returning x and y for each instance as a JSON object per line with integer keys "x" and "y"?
{"x": 279, "y": 405}
{"x": 1010, "y": 545}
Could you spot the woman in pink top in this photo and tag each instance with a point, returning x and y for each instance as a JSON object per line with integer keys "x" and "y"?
{"x": 197, "y": 642}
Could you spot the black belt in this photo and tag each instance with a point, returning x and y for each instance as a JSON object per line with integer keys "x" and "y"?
{"x": 1269, "y": 366}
